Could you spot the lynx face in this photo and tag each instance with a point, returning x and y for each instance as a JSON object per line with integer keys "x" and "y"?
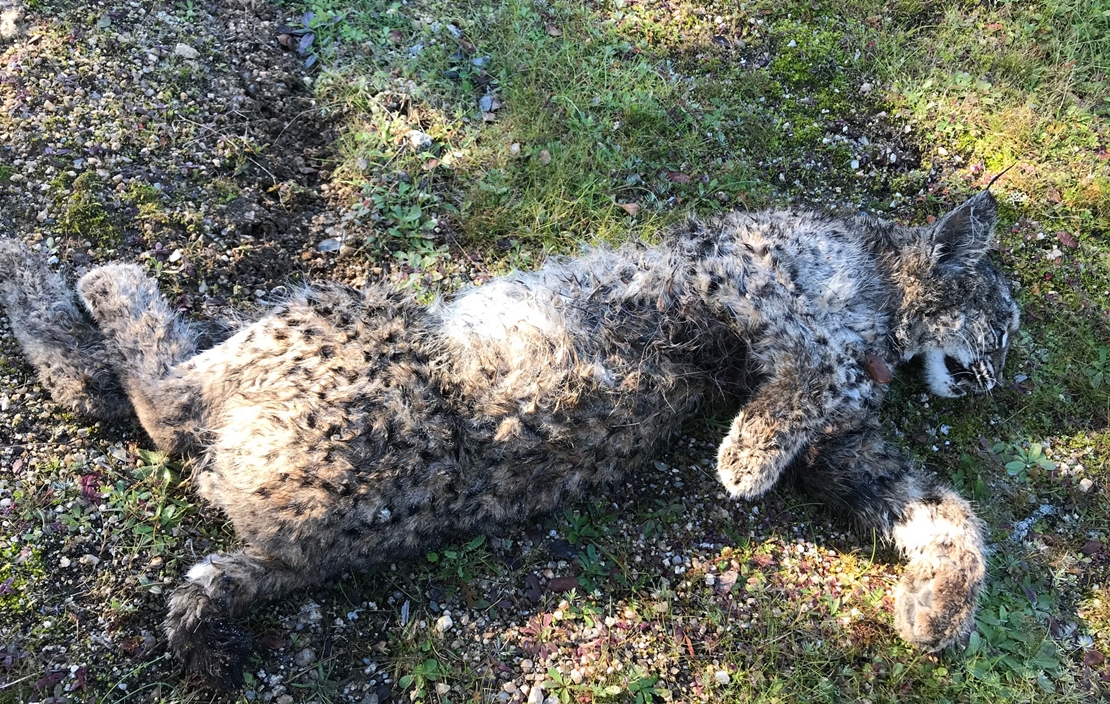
{"x": 959, "y": 316}
{"x": 965, "y": 345}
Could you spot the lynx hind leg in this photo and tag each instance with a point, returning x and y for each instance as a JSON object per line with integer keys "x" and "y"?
{"x": 58, "y": 338}
{"x": 200, "y": 625}
{"x": 879, "y": 489}
{"x": 136, "y": 321}
{"x": 147, "y": 340}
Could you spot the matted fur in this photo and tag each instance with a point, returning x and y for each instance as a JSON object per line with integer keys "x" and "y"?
{"x": 345, "y": 429}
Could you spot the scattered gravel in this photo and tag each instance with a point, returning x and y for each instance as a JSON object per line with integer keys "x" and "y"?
{"x": 189, "y": 137}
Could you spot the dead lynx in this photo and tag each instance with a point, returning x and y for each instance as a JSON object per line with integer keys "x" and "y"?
{"x": 345, "y": 429}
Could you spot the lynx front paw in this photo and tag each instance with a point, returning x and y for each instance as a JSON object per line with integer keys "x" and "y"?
{"x": 751, "y": 458}
{"x": 935, "y": 601}
{"x": 743, "y": 470}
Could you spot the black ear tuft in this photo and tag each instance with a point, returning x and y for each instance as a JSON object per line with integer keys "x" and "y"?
{"x": 962, "y": 237}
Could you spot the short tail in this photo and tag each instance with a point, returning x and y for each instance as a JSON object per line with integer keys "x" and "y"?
{"x": 200, "y": 626}
{"x": 58, "y": 338}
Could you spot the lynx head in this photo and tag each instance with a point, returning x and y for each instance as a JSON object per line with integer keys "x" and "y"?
{"x": 958, "y": 313}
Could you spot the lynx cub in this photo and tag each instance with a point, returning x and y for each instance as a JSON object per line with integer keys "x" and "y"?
{"x": 345, "y": 429}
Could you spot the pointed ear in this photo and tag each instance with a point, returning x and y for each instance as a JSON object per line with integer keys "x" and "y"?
{"x": 962, "y": 237}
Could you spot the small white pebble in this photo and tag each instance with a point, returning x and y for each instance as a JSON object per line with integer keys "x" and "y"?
{"x": 305, "y": 657}
{"x": 536, "y": 695}
{"x": 185, "y": 51}
{"x": 444, "y": 623}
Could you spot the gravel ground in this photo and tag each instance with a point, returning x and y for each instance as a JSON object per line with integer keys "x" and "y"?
{"x": 185, "y": 136}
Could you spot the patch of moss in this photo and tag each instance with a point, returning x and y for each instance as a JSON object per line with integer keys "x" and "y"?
{"x": 226, "y": 189}
{"x": 6, "y": 173}
{"x": 147, "y": 201}
{"x": 140, "y": 193}
{"x": 18, "y": 570}
{"x": 86, "y": 215}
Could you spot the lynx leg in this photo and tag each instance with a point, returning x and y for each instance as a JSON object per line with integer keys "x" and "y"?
{"x": 200, "y": 626}
{"x": 147, "y": 340}
{"x": 807, "y": 390}
{"x": 870, "y": 481}
{"x": 127, "y": 306}
{"x": 764, "y": 438}
{"x": 59, "y": 340}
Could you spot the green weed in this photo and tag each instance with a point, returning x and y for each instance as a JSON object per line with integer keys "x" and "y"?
{"x": 1024, "y": 462}
{"x": 1099, "y": 370}
{"x": 423, "y": 674}
{"x": 459, "y": 565}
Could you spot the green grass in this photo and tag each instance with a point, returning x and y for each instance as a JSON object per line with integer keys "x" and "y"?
{"x": 595, "y": 111}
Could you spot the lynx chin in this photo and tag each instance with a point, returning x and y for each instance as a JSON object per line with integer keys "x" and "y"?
{"x": 345, "y": 429}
